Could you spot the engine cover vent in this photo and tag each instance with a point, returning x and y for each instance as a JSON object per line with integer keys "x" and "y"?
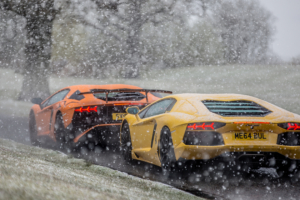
{"x": 236, "y": 108}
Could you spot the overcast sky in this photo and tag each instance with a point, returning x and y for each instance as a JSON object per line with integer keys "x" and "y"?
{"x": 287, "y": 37}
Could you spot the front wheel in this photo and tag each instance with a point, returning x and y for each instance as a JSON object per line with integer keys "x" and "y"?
{"x": 166, "y": 150}
{"x": 126, "y": 146}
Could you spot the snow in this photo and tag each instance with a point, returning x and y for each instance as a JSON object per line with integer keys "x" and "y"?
{"x": 34, "y": 173}
{"x": 183, "y": 46}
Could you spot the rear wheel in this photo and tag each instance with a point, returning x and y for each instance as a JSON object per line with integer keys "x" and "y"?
{"x": 166, "y": 150}
{"x": 284, "y": 169}
{"x": 60, "y": 132}
{"x": 126, "y": 146}
{"x": 290, "y": 171}
{"x": 33, "y": 130}
{"x": 296, "y": 176}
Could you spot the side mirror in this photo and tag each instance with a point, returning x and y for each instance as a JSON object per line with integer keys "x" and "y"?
{"x": 36, "y": 101}
{"x": 132, "y": 110}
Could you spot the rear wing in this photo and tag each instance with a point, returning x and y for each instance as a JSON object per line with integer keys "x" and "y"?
{"x": 94, "y": 91}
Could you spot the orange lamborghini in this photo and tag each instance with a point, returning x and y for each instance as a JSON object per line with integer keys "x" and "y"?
{"x": 85, "y": 114}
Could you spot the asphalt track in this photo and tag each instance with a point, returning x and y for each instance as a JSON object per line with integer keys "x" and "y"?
{"x": 209, "y": 183}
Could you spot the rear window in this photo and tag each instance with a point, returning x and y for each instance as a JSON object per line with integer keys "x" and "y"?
{"x": 236, "y": 108}
{"x": 121, "y": 96}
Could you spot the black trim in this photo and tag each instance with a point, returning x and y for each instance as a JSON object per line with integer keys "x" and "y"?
{"x": 289, "y": 139}
{"x": 86, "y": 120}
{"x": 122, "y": 96}
{"x": 126, "y": 90}
{"x": 156, "y": 94}
{"x": 37, "y": 101}
{"x": 236, "y": 108}
{"x": 136, "y": 155}
{"x": 77, "y": 96}
{"x": 235, "y": 158}
{"x": 154, "y": 129}
{"x": 203, "y": 138}
{"x": 93, "y": 91}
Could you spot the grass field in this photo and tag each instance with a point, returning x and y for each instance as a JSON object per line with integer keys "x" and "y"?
{"x": 279, "y": 85}
{"x": 28, "y": 172}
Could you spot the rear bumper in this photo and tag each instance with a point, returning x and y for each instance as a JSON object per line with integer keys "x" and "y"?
{"x": 236, "y": 152}
{"x": 104, "y": 134}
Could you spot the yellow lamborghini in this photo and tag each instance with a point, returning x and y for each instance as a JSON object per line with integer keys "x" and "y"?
{"x": 227, "y": 128}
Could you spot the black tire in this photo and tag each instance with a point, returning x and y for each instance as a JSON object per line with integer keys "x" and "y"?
{"x": 296, "y": 176}
{"x": 33, "y": 130}
{"x": 290, "y": 171}
{"x": 283, "y": 170}
{"x": 166, "y": 150}
{"x": 60, "y": 132}
{"x": 126, "y": 145}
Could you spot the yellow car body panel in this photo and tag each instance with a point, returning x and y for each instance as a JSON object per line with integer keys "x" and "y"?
{"x": 189, "y": 109}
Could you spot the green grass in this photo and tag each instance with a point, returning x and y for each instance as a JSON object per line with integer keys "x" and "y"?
{"x": 279, "y": 85}
{"x": 28, "y": 172}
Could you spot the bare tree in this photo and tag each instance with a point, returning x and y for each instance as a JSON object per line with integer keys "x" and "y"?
{"x": 245, "y": 28}
{"x": 128, "y": 17}
{"x": 11, "y": 39}
{"x": 121, "y": 20}
{"x": 39, "y": 16}
{"x": 295, "y": 60}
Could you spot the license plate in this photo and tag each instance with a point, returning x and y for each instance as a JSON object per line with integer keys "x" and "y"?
{"x": 250, "y": 136}
{"x": 118, "y": 116}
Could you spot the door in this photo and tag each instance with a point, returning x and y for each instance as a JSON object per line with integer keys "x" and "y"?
{"x": 144, "y": 130}
{"x": 45, "y": 117}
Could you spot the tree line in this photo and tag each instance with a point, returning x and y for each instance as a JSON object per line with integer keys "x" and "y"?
{"x": 41, "y": 37}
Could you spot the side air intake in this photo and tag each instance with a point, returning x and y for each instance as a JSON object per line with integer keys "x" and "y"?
{"x": 236, "y": 108}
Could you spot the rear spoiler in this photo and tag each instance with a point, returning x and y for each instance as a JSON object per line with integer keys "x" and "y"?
{"x": 94, "y": 91}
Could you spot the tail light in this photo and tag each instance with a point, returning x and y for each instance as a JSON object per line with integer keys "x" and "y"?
{"x": 86, "y": 109}
{"x": 290, "y": 126}
{"x": 204, "y": 126}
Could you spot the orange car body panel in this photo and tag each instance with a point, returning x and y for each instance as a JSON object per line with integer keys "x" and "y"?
{"x": 45, "y": 118}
